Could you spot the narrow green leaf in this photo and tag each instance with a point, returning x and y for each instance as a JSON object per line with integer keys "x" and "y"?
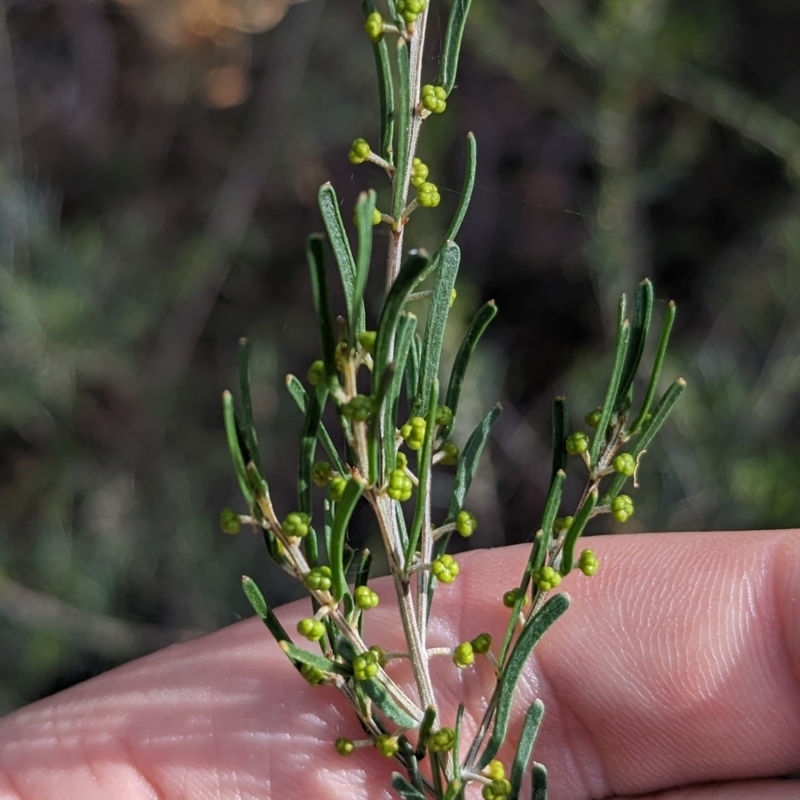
{"x": 414, "y": 366}
{"x": 533, "y": 631}
{"x": 341, "y": 519}
{"x": 308, "y": 449}
{"x": 404, "y": 339}
{"x": 575, "y": 530}
{"x": 425, "y": 728}
{"x": 362, "y": 571}
{"x": 652, "y": 387}
{"x": 390, "y": 315}
{"x": 248, "y": 426}
{"x": 662, "y": 411}
{"x": 527, "y": 739}
{"x": 379, "y": 695}
{"x": 466, "y": 189}
{"x": 468, "y": 462}
{"x": 405, "y": 789}
{"x": 553, "y": 502}
{"x": 374, "y": 437}
{"x": 300, "y": 396}
{"x": 404, "y": 114}
{"x": 642, "y": 315}
{"x": 411, "y": 763}
{"x": 539, "y": 782}
{"x": 479, "y": 324}
{"x": 261, "y": 607}
{"x": 438, "y": 312}
{"x": 623, "y": 337}
{"x": 331, "y": 216}
{"x": 315, "y": 253}
{"x": 313, "y": 660}
{"x": 423, "y": 473}
{"x": 364, "y": 208}
{"x": 385, "y": 89}
{"x": 451, "y": 46}
{"x": 457, "y": 742}
{"x": 560, "y": 433}
{"x": 234, "y": 446}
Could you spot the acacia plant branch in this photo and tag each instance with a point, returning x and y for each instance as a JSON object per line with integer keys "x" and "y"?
{"x": 373, "y": 468}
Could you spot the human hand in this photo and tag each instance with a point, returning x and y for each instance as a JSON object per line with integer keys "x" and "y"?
{"x": 677, "y": 665}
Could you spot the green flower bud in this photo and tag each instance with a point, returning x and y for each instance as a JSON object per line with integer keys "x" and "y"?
{"x": 419, "y": 173}
{"x": 511, "y": 596}
{"x": 625, "y": 464}
{"x": 336, "y": 487}
{"x": 365, "y": 666}
{"x": 229, "y": 521}
{"x": 414, "y": 432}
{"x": 445, "y": 568}
{"x": 434, "y": 98}
{"x": 359, "y": 409}
{"x": 400, "y": 485}
{"x": 464, "y": 655}
{"x": 496, "y": 790}
{"x": 365, "y": 598}
{"x": 296, "y": 524}
{"x": 442, "y": 740}
{"x": 622, "y": 507}
{"x": 577, "y": 443}
{"x": 450, "y": 453}
{"x": 316, "y": 373}
{"x": 482, "y": 643}
{"x": 495, "y": 770}
{"x": 387, "y": 745}
{"x": 428, "y": 195}
{"x": 546, "y": 578}
{"x": 313, "y": 675}
{"x": 444, "y": 416}
{"x": 380, "y": 654}
{"x": 401, "y": 461}
{"x": 453, "y": 297}
{"x": 592, "y": 419}
{"x": 409, "y": 10}
{"x": 561, "y": 524}
{"x": 374, "y": 27}
{"x": 588, "y": 563}
{"x": 377, "y": 217}
{"x": 319, "y": 578}
{"x": 312, "y": 629}
{"x": 344, "y": 747}
{"x": 466, "y": 523}
{"x": 322, "y": 473}
{"x": 360, "y": 151}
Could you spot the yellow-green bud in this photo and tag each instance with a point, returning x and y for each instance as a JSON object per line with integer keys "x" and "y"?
{"x": 336, "y": 487}
{"x": 313, "y": 675}
{"x": 495, "y": 770}
{"x": 464, "y": 655}
{"x": 319, "y": 578}
{"x": 322, "y": 473}
{"x": 312, "y": 629}
{"x": 419, "y": 173}
{"x": 624, "y": 464}
{"x": 546, "y": 578}
{"x": 450, "y": 454}
{"x": 365, "y": 666}
{"x": 316, "y": 373}
{"x": 434, "y": 98}
{"x": 511, "y": 596}
{"x": 453, "y": 297}
{"x": 622, "y": 507}
{"x": 360, "y": 151}
{"x": 229, "y": 521}
{"x": 374, "y": 27}
{"x": 588, "y": 563}
{"x": 344, "y": 747}
{"x": 561, "y": 524}
{"x": 482, "y": 643}
{"x": 400, "y": 485}
{"x": 577, "y": 443}
{"x": 442, "y": 740}
{"x": 466, "y": 523}
{"x": 409, "y": 10}
{"x": 365, "y": 598}
{"x": 428, "y": 195}
{"x": 445, "y": 568}
{"x": 497, "y": 790}
{"x": 387, "y": 745}
{"x": 296, "y": 524}
{"x": 444, "y": 416}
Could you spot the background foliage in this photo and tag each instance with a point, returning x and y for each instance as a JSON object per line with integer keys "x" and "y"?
{"x": 158, "y": 176}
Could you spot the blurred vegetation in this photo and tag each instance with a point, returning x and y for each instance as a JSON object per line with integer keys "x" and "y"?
{"x": 159, "y": 163}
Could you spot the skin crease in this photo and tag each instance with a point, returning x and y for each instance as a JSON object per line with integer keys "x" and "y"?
{"x": 675, "y": 674}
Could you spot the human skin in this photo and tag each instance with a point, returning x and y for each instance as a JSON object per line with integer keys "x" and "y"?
{"x": 674, "y": 674}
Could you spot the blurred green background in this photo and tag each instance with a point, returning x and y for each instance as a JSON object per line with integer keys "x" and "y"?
{"x": 159, "y": 161}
